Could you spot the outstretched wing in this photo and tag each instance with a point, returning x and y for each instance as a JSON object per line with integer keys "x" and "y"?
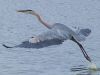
{"x": 27, "y": 44}
{"x": 46, "y": 39}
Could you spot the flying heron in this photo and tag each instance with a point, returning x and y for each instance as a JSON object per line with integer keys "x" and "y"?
{"x": 59, "y": 32}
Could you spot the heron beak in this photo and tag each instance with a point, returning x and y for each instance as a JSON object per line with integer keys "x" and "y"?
{"x": 23, "y": 11}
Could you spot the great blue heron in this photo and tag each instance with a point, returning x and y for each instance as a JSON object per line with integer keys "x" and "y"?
{"x": 57, "y": 33}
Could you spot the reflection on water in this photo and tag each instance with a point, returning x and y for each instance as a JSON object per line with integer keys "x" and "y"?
{"x": 83, "y": 70}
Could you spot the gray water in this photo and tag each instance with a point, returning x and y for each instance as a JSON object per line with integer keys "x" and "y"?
{"x": 64, "y": 59}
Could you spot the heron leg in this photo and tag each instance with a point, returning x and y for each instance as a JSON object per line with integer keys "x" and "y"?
{"x": 82, "y": 49}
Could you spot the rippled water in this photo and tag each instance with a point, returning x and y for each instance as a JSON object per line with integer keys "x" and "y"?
{"x": 83, "y": 70}
{"x": 64, "y": 59}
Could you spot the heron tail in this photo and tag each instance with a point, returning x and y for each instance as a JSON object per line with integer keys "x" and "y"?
{"x": 82, "y": 34}
{"x": 85, "y": 32}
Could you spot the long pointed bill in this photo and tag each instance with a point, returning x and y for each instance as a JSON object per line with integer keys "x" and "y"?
{"x": 23, "y": 10}
{"x": 82, "y": 49}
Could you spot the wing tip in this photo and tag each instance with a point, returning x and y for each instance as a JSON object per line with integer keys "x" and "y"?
{"x": 6, "y": 46}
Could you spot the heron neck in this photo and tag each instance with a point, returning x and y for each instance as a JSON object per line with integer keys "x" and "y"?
{"x": 42, "y": 21}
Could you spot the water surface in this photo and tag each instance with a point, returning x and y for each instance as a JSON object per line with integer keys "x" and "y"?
{"x": 63, "y": 59}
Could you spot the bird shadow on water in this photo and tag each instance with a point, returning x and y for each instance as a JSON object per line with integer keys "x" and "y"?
{"x": 83, "y": 70}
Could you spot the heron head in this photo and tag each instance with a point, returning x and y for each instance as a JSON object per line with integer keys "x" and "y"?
{"x": 27, "y": 11}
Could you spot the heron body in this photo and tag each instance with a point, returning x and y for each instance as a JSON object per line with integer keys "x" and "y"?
{"x": 57, "y": 30}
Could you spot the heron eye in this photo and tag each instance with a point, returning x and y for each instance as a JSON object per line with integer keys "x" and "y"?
{"x": 32, "y": 37}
